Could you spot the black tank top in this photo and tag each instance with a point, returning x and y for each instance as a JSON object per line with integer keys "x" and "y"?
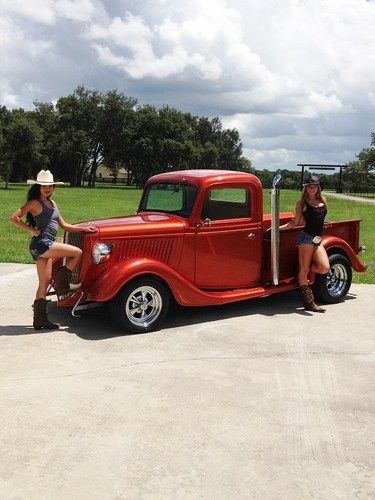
{"x": 314, "y": 218}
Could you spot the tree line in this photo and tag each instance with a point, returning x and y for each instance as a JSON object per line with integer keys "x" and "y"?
{"x": 359, "y": 175}
{"x": 88, "y": 128}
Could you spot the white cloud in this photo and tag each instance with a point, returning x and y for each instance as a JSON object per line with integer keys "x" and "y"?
{"x": 77, "y": 10}
{"x": 16, "y": 48}
{"x": 47, "y": 11}
{"x": 7, "y": 98}
{"x": 296, "y": 78}
{"x": 41, "y": 11}
{"x": 209, "y": 41}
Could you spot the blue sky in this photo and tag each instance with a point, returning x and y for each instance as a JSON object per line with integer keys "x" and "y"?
{"x": 297, "y": 77}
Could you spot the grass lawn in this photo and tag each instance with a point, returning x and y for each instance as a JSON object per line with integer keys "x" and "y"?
{"x": 78, "y": 204}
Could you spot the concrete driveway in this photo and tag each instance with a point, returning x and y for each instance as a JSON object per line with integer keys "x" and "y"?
{"x": 253, "y": 400}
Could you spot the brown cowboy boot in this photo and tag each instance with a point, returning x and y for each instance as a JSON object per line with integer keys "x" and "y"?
{"x": 62, "y": 279}
{"x": 308, "y": 300}
{"x": 40, "y": 321}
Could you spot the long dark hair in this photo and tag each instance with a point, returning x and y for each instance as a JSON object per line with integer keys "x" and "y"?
{"x": 318, "y": 196}
{"x": 32, "y": 194}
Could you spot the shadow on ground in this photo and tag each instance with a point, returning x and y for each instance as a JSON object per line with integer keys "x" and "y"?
{"x": 97, "y": 324}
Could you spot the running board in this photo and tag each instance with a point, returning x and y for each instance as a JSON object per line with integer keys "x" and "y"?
{"x": 226, "y": 296}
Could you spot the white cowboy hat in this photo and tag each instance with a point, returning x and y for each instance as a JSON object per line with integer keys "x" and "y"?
{"x": 44, "y": 178}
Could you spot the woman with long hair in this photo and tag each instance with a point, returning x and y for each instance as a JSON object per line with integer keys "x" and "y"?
{"x": 42, "y": 221}
{"x": 310, "y": 212}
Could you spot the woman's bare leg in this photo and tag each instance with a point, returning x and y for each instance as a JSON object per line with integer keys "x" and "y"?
{"x": 72, "y": 253}
{"x": 44, "y": 268}
{"x": 320, "y": 262}
{"x": 305, "y": 255}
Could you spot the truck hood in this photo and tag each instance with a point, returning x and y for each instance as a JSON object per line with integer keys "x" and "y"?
{"x": 143, "y": 223}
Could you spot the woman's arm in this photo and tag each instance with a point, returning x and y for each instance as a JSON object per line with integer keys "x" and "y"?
{"x": 75, "y": 229}
{"x": 297, "y": 221}
{"x": 31, "y": 206}
{"x": 71, "y": 227}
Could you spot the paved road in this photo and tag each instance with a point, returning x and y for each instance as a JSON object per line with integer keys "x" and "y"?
{"x": 255, "y": 400}
{"x": 350, "y": 198}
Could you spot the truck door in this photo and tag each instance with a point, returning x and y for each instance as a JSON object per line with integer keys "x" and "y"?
{"x": 229, "y": 239}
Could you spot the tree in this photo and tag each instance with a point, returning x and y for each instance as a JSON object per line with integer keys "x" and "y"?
{"x": 175, "y": 139}
{"x": 358, "y": 175}
{"x": 230, "y": 149}
{"x": 22, "y": 144}
{"x": 6, "y": 167}
{"x": 116, "y": 132}
{"x": 6, "y": 164}
{"x": 78, "y": 133}
{"x": 45, "y": 116}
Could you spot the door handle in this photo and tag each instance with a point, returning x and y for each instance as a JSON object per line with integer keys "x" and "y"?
{"x": 251, "y": 236}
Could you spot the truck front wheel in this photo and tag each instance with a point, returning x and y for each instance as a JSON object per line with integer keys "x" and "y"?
{"x": 333, "y": 286}
{"x": 141, "y": 306}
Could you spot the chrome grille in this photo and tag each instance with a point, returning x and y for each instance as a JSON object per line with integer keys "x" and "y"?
{"x": 75, "y": 239}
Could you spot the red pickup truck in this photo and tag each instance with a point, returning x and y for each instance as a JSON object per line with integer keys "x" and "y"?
{"x": 201, "y": 238}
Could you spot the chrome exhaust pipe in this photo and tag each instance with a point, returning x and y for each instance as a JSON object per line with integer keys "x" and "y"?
{"x": 275, "y": 231}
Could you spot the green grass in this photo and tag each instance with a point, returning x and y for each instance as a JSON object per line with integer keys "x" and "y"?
{"x": 78, "y": 204}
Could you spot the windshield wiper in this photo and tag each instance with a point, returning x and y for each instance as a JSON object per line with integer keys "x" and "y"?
{"x": 177, "y": 187}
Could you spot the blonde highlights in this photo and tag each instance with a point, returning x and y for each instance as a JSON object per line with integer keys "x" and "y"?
{"x": 318, "y": 196}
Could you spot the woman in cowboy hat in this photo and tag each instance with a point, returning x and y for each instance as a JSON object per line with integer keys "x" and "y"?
{"x": 310, "y": 212}
{"x": 42, "y": 221}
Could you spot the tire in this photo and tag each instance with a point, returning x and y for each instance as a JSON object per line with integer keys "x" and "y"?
{"x": 141, "y": 306}
{"x": 333, "y": 286}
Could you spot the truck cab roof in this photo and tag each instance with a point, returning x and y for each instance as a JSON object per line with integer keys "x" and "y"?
{"x": 206, "y": 177}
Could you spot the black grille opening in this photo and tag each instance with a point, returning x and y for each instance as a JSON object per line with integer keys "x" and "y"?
{"x": 75, "y": 239}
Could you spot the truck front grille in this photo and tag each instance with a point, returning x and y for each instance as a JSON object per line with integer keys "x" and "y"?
{"x": 75, "y": 239}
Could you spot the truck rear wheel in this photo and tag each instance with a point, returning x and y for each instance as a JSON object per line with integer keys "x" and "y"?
{"x": 141, "y": 306}
{"x": 333, "y": 286}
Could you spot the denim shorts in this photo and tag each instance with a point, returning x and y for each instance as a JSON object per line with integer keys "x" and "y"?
{"x": 39, "y": 246}
{"x": 304, "y": 238}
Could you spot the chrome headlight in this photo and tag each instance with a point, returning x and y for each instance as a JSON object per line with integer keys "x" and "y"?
{"x": 101, "y": 252}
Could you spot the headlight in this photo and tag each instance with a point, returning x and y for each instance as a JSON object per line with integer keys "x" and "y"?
{"x": 100, "y": 252}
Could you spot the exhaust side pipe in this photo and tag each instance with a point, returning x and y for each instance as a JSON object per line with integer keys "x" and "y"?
{"x": 275, "y": 232}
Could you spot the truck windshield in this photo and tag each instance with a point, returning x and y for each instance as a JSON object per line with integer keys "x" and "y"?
{"x": 175, "y": 198}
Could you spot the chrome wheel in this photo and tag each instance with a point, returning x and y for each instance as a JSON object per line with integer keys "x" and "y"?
{"x": 337, "y": 280}
{"x": 333, "y": 286}
{"x": 143, "y": 306}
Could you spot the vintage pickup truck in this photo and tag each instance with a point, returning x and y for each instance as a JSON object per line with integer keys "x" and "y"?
{"x": 200, "y": 238}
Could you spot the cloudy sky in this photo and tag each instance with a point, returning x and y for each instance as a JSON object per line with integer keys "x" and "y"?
{"x": 296, "y": 77}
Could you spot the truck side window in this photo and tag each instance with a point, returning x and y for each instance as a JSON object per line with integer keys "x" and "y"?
{"x": 226, "y": 203}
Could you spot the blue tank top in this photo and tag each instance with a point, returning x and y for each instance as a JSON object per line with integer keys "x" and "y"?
{"x": 47, "y": 221}
{"x": 314, "y": 218}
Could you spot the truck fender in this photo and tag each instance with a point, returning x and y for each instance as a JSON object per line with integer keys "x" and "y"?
{"x": 330, "y": 242}
{"x": 107, "y": 286}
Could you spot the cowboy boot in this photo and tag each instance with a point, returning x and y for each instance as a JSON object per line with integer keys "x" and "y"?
{"x": 41, "y": 321}
{"x": 308, "y": 300}
{"x": 62, "y": 279}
